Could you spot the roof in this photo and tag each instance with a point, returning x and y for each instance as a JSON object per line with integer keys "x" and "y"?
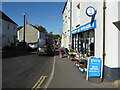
{"x": 6, "y": 18}
{"x": 46, "y": 33}
{"x": 37, "y": 28}
{"x": 64, "y": 6}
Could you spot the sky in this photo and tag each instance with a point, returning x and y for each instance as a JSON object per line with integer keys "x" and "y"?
{"x": 36, "y": 13}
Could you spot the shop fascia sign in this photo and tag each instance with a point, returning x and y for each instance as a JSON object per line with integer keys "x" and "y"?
{"x": 88, "y": 26}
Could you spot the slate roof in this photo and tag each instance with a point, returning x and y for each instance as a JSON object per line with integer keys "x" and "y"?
{"x": 64, "y": 6}
{"x": 6, "y": 18}
{"x": 46, "y": 33}
{"x": 37, "y": 28}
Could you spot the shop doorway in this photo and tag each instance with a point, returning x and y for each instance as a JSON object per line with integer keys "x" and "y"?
{"x": 84, "y": 42}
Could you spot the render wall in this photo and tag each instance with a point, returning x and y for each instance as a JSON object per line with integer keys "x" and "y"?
{"x": 31, "y": 34}
{"x": 111, "y": 35}
{"x": 66, "y": 26}
{"x": 119, "y": 34}
{"x": 0, "y": 33}
{"x": 9, "y": 32}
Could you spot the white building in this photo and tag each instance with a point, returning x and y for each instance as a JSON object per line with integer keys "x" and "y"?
{"x": 8, "y": 32}
{"x": 88, "y": 32}
{"x": 66, "y": 25}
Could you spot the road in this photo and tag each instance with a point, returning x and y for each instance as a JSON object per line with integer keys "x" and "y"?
{"x": 23, "y": 70}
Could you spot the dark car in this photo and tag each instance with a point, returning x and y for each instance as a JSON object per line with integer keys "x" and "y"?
{"x": 45, "y": 46}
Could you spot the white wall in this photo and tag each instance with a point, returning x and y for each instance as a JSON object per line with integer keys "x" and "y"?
{"x": 66, "y": 26}
{"x": 0, "y": 33}
{"x": 8, "y": 33}
{"x": 119, "y": 35}
{"x": 111, "y": 35}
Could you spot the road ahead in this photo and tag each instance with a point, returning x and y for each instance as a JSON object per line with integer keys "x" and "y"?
{"x": 23, "y": 70}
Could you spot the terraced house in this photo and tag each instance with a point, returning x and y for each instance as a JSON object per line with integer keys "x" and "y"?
{"x": 8, "y": 32}
{"x": 32, "y": 33}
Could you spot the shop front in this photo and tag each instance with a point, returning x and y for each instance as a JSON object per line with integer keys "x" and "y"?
{"x": 83, "y": 39}
{"x": 83, "y": 53}
{"x": 97, "y": 34}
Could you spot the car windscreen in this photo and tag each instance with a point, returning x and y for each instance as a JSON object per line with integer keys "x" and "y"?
{"x": 42, "y": 43}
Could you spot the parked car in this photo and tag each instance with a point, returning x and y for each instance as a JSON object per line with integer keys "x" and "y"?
{"x": 33, "y": 45}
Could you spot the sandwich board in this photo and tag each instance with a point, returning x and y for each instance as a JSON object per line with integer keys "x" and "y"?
{"x": 94, "y": 68}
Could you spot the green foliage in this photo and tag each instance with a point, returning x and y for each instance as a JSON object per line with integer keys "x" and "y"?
{"x": 50, "y": 34}
{"x": 71, "y": 50}
{"x": 56, "y": 37}
{"x": 19, "y": 28}
{"x": 42, "y": 28}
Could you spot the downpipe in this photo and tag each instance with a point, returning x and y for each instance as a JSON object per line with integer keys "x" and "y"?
{"x": 104, "y": 17}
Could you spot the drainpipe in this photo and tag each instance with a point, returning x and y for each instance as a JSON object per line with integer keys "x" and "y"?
{"x": 104, "y": 53}
{"x": 70, "y": 21}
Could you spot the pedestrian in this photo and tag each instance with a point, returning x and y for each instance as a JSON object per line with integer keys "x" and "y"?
{"x": 61, "y": 54}
{"x": 62, "y": 51}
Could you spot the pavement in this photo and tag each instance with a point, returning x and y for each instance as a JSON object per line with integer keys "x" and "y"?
{"x": 68, "y": 76}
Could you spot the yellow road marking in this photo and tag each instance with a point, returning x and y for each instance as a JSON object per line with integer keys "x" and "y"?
{"x": 39, "y": 82}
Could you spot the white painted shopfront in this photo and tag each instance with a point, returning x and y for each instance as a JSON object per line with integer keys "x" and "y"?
{"x": 87, "y": 35}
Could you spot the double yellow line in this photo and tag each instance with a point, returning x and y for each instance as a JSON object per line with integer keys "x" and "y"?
{"x": 39, "y": 82}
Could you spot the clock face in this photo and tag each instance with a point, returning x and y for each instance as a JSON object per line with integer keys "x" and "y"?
{"x": 90, "y": 11}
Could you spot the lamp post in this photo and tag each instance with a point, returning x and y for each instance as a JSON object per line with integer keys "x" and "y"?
{"x": 24, "y": 30}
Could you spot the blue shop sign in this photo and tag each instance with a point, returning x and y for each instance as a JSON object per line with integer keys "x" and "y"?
{"x": 94, "y": 67}
{"x": 88, "y": 26}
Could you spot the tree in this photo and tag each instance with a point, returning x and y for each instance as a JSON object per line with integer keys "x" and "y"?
{"x": 56, "y": 37}
{"x": 19, "y": 28}
{"x": 42, "y": 28}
